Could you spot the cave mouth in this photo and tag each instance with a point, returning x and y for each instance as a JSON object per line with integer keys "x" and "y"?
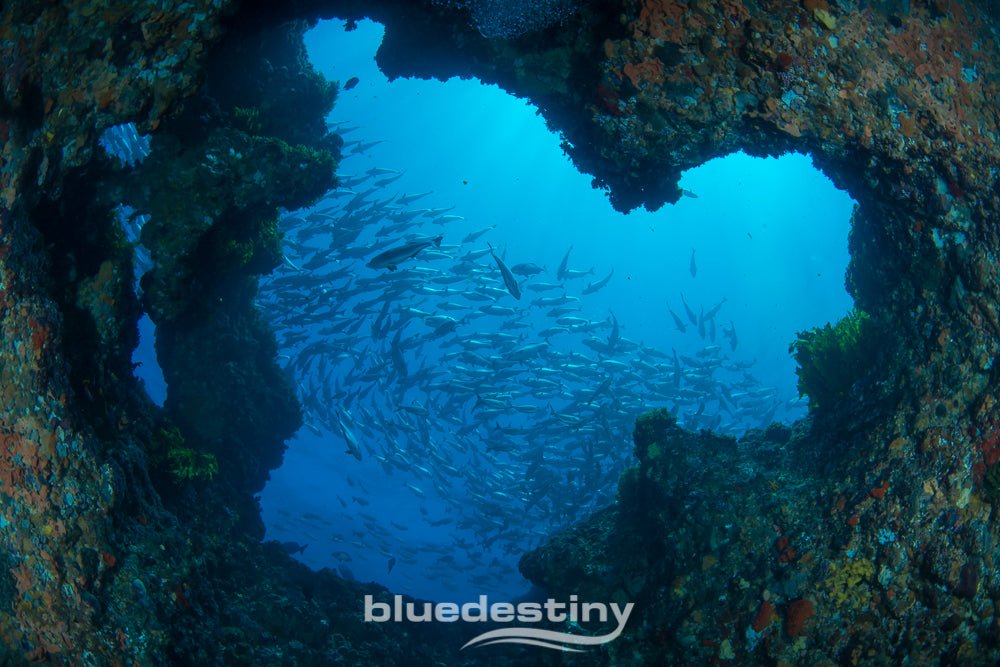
{"x": 128, "y": 148}
{"x": 466, "y": 460}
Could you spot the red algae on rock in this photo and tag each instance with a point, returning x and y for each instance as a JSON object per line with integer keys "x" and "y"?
{"x": 798, "y": 612}
{"x": 765, "y": 614}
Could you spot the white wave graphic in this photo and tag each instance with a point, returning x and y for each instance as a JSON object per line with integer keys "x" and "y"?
{"x": 545, "y": 638}
{"x": 531, "y": 642}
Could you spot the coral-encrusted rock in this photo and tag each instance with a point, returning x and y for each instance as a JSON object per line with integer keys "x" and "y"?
{"x": 68, "y": 310}
{"x": 690, "y": 538}
{"x": 713, "y": 539}
{"x": 898, "y": 105}
{"x": 884, "y": 520}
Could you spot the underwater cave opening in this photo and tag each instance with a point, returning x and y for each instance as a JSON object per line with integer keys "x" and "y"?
{"x": 124, "y": 144}
{"x": 482, "y": 423}
{"x": 147, "y": 367}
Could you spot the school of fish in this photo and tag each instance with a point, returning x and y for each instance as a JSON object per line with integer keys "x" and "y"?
{"x": 503, "y": 418}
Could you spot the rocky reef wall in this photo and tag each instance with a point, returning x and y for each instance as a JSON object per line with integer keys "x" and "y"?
{"x": 876, "y": 530}
{"x": 69, "y": 313}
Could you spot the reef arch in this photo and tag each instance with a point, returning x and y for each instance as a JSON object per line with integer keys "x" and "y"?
{"x": 106, "y": 526}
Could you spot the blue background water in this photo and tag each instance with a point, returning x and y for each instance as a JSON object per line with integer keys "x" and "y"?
{"x": 770, "y": 236}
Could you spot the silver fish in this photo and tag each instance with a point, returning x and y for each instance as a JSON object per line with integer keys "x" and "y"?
{"x": 509, "y": 281}
{"x": 593, "y": 287}
{"x": 392, "y": 257}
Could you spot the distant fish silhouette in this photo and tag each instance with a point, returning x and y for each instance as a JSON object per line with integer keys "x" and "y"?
{"x": 469, "y": 238}
{"x": 690, "y": 313}
{"x": 291, "y": 548}
{"x": 350, "y": 83}
{"x": 509, "y": 281}
{"x": 678, "y": 322}
{"x": 390, "y": 258}
{"x": 527, "y": 269}
{"x": 693, "y": 267}
{"x": 561, "y": 273}
{"x": 593, "y": 287}
{"x": 730, "y": 333}
{"x": 714, "y": 309}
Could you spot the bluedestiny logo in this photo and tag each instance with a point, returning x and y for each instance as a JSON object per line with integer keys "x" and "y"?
{"x": 507, "y": 612}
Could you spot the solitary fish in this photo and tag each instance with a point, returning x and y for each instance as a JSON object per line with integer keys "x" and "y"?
{"x": 678, "y": 322}
{"x": 388, "y": 180}
{"x": 352, "y": 443}
{"x": 469, "y": 238}
{"x": 527, "y": 269}
{"x": 604, "y": 386}
{"x": 615, "y": 337}
{"x": 693, "y": 267}
{"x": 290, "y": 548}
{"x": 392, "y": 257}
{"x": 730, "y": 333}
{"x": 350, "y": 83}
{"x": 714, "y": 309}
{"x": 290, "y": 262}
{"x": 364, "y": 147}
{"x": 396, "y": 353}
{"x": 690, "y": 313}
{"x": 593, "y": 287}
{"x": 561, "y": 273}
{"x": 577, "y": 273}
{"x": 409, "y": 199}
{"x": 508, "y": 278}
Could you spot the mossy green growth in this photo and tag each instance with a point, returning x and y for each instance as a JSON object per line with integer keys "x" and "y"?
{"x": 167, "y": 437}
{"x": 252, "y": 245}
{"x": 169, "y": 448}
{"x": 831, "y": 359}
{"x": 186, "y": 464}
{"x": 248, "y": 119}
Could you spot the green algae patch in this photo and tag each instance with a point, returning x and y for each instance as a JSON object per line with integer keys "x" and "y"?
{"x": 188, "y": 464}
{"x": 169, "y": 451}
{"x": 248, "y": 119}
{"x": 166, "y": 438}
{"x": 653, "y": 452}
{"x": 831, "y": 359}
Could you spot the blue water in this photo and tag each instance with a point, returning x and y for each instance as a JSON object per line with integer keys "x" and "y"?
{"x": 769, "y": 236}
{"x": 145, "y": 353}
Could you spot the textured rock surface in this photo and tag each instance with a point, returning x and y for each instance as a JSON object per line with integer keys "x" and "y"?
{"x": 868, "y": 534}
